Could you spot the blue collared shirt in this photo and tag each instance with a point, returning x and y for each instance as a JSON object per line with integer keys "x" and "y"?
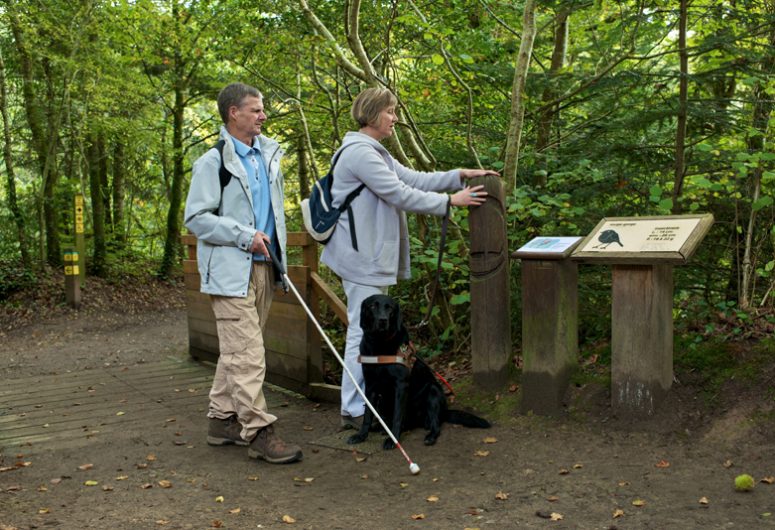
{"x": 258, "y": 180}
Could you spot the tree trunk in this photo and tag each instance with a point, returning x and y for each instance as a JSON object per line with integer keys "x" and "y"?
{"x": 97, "y": 208}
{"x": 172, "y": 239}
{"x": 119, "y": 174}
{"x": 105, "y": 186}
{"x": 301, "y": 156}
{"x": 683, "y": 96}
{"x": 762, "y": 109}
{"x": 13, "y": 204}
{"x": 44, "y": 150}
{"x": 517, "y": 96}
{"x": 548, "y": 114}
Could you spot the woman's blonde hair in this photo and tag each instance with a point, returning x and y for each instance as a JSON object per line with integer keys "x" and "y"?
{"x": 369, "y": 103}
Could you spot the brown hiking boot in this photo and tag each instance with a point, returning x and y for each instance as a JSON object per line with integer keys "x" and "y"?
{"x": 225, "y": 432}
{"x": 268, "y": 446}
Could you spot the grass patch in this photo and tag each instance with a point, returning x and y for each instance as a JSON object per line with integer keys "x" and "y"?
{"x": 495, "y": 407}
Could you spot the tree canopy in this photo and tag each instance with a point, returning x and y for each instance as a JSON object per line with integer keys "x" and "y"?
{"x": 588, "y": 109}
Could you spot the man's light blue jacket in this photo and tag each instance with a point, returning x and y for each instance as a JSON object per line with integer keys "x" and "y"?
{"x": 225, "y": 226}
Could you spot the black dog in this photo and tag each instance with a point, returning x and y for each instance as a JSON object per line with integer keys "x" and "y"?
{"x": 405, "y": 399}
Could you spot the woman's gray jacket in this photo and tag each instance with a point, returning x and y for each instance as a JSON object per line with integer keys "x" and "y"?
{"x": 379, "y": 211}
{"x": 224, "y": 223}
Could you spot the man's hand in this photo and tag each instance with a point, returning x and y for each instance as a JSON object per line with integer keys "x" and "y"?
{"x": 259, "y": 244}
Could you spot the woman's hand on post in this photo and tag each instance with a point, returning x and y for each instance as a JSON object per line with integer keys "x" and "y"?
{"x": 473, "y": 173}
{"x": 469, "y": 196}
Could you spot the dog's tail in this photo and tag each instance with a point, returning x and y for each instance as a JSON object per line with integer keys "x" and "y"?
{"x": 466, "y": 419}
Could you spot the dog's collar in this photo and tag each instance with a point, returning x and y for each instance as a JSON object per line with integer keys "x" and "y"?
{"x": 405, "y": 355}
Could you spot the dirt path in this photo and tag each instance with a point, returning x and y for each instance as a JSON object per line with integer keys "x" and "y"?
{"x": 586, "y": 470}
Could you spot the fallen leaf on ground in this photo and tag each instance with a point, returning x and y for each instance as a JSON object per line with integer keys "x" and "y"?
{"x": 662, "y": 464}
{"x": 490, "y": 440}
{"x": 618, "y": 513}
{"x": 727, "y": 464}
{"x": 85, "y": 467}
{"x": 482, "y": 453}
{"x": 253, "y": 478}
{"x": 552, "y": 498}
{"x": 418, "y": 516}
{"x": 564, "y": 471}
{"x": 501, "y": 495}
{"x": 162, "y": 522}
{"x": 768, "y": 480}
{"x": 120, "y": 413}
{"x": 308, "y": 428}
{"x": 151, "y": 457}
{"x": 122, "y": 477}
{"x": 147, "y": 486}
{"x": 44, "y": 511}
{"x": 578, "y": 466}
{"x": 639, "y": 503}
{"x": 235, "y": 511}
{"x": 288, "y": 519}
{"x": 554, "y": 516}
{"x": 219, "y": 498}
{"x": 403, "y": 484}
{"x": 165, "y": 483}
{"x": 107, "y": 488}
{"x": 90, "y": 483}
{"x": 55, "y": 481}
{"x": 432, "y": 498}
{"x": 703, "y": 500}
{"x": 216, "y": 524}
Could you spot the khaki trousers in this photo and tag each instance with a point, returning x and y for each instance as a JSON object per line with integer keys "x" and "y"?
{"x": 239, "y": 375}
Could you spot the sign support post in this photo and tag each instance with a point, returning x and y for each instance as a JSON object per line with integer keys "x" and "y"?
{"x": 642, "y": 252}
{"x": 80, "y": 244}
{"x": 550, "y": 319}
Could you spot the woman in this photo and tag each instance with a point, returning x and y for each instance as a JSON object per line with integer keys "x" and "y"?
{"x": 377, "y": 254}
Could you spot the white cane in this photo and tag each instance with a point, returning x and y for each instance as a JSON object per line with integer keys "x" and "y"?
{"x": 413, "y": 467}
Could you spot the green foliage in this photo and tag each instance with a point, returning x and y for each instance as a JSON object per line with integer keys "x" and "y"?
{"x": 122, "y": 72}
{"x": 14, "y": 277}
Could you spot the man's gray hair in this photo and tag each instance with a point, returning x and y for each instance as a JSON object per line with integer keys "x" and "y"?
{"x": 232, "y": 96}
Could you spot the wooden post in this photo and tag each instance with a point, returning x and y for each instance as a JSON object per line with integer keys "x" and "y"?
{"x": 641, "y": 337}
{"x": 72, "y": 279}
{"x": 80, "y": 243}
{"x": 549, "y": 332}
{"x": 490, "y": 307}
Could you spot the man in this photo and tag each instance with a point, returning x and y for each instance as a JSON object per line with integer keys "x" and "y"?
{"x": 234, "y": 224}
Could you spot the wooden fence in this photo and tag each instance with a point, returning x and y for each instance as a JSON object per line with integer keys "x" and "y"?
{"x": 293, "y": 345}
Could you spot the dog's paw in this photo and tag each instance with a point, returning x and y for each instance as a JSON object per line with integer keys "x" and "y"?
{"x": 388, "y": 444}
{"x": 357, "y": 438}
{"x": 430, "y": 439}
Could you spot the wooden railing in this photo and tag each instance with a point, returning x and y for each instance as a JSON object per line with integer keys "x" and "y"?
{"x": 293, "y": 345}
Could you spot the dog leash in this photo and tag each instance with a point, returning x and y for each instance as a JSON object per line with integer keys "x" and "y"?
{"x": 437, "y": 278}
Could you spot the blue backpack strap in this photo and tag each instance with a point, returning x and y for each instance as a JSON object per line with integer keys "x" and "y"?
{"x": 348, "y": 200}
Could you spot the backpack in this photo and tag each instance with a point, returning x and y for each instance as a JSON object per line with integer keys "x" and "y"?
{"x": 320, "y": 216}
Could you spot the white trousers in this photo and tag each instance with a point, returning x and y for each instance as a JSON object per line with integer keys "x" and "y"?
{"x": 352, "y": 402}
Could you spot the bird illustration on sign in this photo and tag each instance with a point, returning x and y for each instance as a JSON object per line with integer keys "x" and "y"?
{"x": 607, "y": 237}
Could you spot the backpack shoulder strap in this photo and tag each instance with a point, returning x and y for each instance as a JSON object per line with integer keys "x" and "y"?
{"x": 223, "y": 174}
